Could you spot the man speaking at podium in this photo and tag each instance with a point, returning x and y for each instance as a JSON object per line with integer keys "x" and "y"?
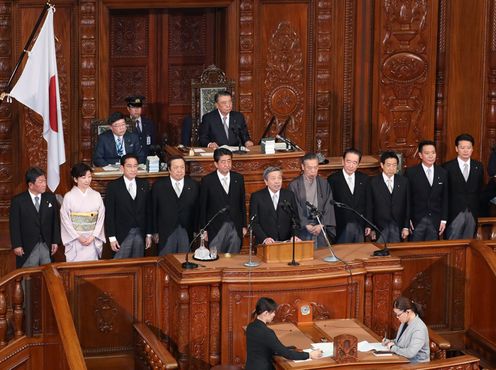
{"x": 273, "y": 208}
{"x": 223, "y": 126}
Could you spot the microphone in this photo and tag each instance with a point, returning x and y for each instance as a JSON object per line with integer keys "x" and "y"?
{"x": 338, "y": 204}
{"x": 191, "y": 265}
{"x": 313, "y": 210}
{"x": 250, "y": 224}
{"x": 289, "y": 142}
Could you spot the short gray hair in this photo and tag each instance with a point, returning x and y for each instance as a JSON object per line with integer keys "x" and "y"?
{"x": 269, "y": 170}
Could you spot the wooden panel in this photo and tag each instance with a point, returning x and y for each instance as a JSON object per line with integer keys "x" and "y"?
{"x": 404, "y": 75}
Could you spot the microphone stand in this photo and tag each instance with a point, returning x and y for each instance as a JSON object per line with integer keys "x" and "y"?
{"x": 294, "y": 225}
{"x": 191, "y": 265}
{"x": 382, "y": 252}
{"x": 267, "y": 129}
{"x": 317, "y": 214}
{"x": 251, "y": 263}
{"x": 237, "y": 132}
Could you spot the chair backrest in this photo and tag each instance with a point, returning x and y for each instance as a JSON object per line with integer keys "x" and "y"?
{"x": 203, "y": 90}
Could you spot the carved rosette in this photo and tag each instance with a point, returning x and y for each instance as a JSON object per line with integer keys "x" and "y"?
{"x": 105, "y": 312}
{"x": 284, "y": 79}
{"x": 403, "y": 71}
{"x": 187, "y": 35}
{"x": 128, "y": 35}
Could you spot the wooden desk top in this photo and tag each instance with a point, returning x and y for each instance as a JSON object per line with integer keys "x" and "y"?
{"x": 302, "y": 336}
{"x": 100, "y": 174}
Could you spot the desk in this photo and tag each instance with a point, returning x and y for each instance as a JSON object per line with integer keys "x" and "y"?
{"x": 301, "y": 336}
{"x": 198, "y": 299}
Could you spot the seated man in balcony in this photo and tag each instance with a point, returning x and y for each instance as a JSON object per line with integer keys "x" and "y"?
{"x": 223, "y": 126}
{"x": 116, "y": 142}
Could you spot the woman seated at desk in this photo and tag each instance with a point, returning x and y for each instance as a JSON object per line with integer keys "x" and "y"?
{"x": 262, "y": 343}
{"x": 412, "y": 339}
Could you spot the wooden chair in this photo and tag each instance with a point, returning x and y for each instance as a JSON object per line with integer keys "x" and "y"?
{"x": 203, "y": 90}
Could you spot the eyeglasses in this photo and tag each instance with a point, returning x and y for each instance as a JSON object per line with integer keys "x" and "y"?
{"x": 399, "y": 314}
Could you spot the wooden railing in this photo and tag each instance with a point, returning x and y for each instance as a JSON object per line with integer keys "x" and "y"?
{"x": 150, "y": 353}
{"x": 486, "y": 228}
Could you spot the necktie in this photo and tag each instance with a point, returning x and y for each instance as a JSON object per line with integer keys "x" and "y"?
{"x": 429, "y": 175}
{"x": 138, "y": 126}
{"x": 37, "y": 203}
{"x": 390, "y": 185}
{"x": 178, "y": 189}
{"x": 350, "y": 184}
{"x": 226, "y": 128}
{"x": 275, "y": 200}
{"x": 465, "y": 172}
{"x": 132, "y": 190}
{"x": 120, "y": 151}
{"x": 225, "y": 185}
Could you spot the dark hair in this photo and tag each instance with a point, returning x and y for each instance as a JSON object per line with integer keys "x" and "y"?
{"x": 464, "y": 137}
{"x": 425, "y": 143}
{"x": 116, "y": 116}
{"x": 79, "y": 170}
{"x": 219, "y": 152}
{"x": 353, "y": 151}
{"x": 309, "y": 156}
{"x": 389, "y": 154}
{"x": 264, "y": 304}
{"x": 222, "y": 93}
{"x": 173, "y": 158}
{"x": 125, "y": 157}
{"x": 270, "y": 169}
{"x": 33, "y": 173}
{"x": 403, "y": 304}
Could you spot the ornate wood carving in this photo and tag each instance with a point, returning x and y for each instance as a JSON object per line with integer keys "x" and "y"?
{"x": 347, "y": 138}
{"x": 187, "y": 35}
{"x": 404, "y": 65}
{"x": 149, "y": 278}
{"x": 284, "y": 77}
{"x": 345, "y": 348}
{"x": 440, "y": 107}
{"x": 180, "y": 77}
{"x": 489, "y": 136}
{"x": 125, "y": 81}
{"x": 105, "y": 312}
{"x": 129, "y": 35}
{"x": 215, "y": 318}
{"x": 246, "y": 86}
{"x": 381, "y": 303}
{"x": 199, "y": 322}
{"x": 18, "y": 310}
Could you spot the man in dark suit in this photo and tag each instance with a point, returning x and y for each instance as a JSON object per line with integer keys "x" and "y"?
{"x": 429, "y": 195}
{"x": 221, "y": 189}
{"x": 465, "y": 180}
{"x": 390, "y": 198}
{"x": 116, "y": 142}
{"x": 142, "y": 126}
{"x": 34, "y": 222}
{"x": 274, "y": 209}
{"x": 174, "y": 208}
{"x": 310, "y": 187}
{"x": 351, "y": 187}
{"x": 223, "y": 126}
{"x": 126, "y": 212}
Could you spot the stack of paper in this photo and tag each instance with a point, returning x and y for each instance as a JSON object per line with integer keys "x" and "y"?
{"x": 152, "y": 163}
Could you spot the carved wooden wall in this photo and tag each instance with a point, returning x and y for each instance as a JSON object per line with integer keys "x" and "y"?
{"x": 377, "y": 75}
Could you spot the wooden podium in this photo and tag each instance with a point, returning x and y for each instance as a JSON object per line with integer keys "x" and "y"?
{"x": 283, "y": 251}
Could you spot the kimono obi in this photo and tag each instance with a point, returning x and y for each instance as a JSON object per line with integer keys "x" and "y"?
{"x": 84, "y": 221}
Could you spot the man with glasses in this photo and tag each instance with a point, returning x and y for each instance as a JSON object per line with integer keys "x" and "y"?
{"x": 116, "y": 142}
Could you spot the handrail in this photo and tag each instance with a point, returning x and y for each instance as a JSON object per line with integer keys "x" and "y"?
{"x": 11, "y": 276}
{"x": 488, "y": 252}
{"x": 151, "y": 350}
{"x": 63, "y": 316}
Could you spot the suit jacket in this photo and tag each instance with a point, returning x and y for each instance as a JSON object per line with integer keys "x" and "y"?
{"x": 324, "y": 196}
{"x": 464, "y": 195}
{"x": 147, "y": 135}
{"x": 106, "y": 152}
{"x": 169, "y": 211}
{"x": 262, "y": 343}
{"x": 360, "y": 199}
{"x": 426, "y": 200}
{"x": 122, "y": 213}
{"x": 213, "y": 198}
{"x": 390, "y": 207}
{"x": 28, "y": 227}
{"x": 413, "y": 342}
{"x": 269, "y": 222}
{"x": 212, "y": 129}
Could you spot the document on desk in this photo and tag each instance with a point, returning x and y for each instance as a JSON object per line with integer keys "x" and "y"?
{"x": 365, "y": 346}
{"x": 327, "y": 349}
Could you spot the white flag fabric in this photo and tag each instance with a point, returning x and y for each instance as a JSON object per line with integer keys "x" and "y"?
{"x": 38, "y": 89}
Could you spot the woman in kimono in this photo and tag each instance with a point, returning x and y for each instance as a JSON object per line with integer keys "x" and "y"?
{"x": 82, "y": 214}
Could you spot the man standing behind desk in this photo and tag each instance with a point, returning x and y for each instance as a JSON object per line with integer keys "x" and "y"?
{"x": 465, "y": 180}
{"x": 144, "y": 127}
{"x": 429, "y": 195}
{"x": 222, "y": 126}
{"x": 310, "y": 187}
{"x": 221, "y": 189}
{"x": 34, "y": 222}
{"x": 390, "y": 200}
{"x": 351, "y": 187}
{"x": 116, "y": 142}
{"x": 126, "y": 212}
{"x": 174, "y": 207}
{"x": 273, "y": 208}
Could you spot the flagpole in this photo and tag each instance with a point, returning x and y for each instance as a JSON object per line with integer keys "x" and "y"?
{"x": 21, "y": 57}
